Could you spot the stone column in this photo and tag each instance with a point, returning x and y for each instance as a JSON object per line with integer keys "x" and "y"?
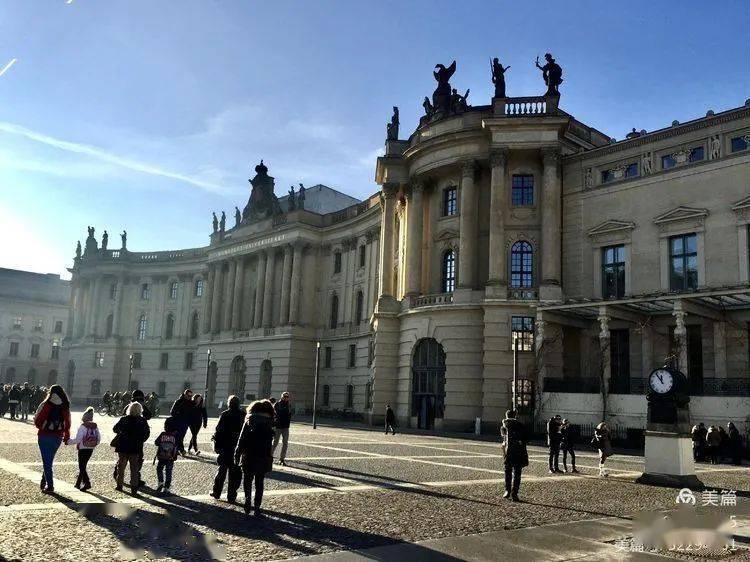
{"x": 294, "y": 294}
{"x": 239, "y": 280}
{"x": 118, "y": 307}
{"x": 647, "y": 349}
{"x": 229, "y": 297}
{"x": 468, "y": 227}
{"x": 96, "y": 293}
{"x": 497, "y": 283}
{"x": 286, "y": 281}
{"x": 218, "y": 287}
{"x": 414, "y": 219}
{"x": 680, "y": 337}
{"x": 260, "y": 285}
{"x": 604, "y": 349}
{"x": 720, "y": 349}
{"x": 551, "y": 223}
{"x": 69, "y": 329}
{"x": 388, "y": 201}
{"x": 268, "y": 292}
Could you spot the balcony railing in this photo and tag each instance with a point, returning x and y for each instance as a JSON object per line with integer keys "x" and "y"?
{"x": 722, "y": 387}
{"x": 578, "y": 385}
{"x": 431, "y": 300}
{"x": 522, "y": 294}
{"x": 628, "y": 386}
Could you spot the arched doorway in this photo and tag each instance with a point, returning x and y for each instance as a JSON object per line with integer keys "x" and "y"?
{"x": 237, "y": 377}
{"x": 264, "y": 386}
{"x": 428, "y": 383}
{"x": 71, "y": 377}
{"x": 31, "y": 376}
{"x": 213, "y": 371}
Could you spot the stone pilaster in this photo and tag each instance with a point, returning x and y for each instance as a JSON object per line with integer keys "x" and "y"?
{"x": 260, "y": 286}
{"x": 286, "y": 282}
{"x": 387, "y": 239}
{"x": 229, "y": 296}
{"x": 414, "y": 220}
{"x": 680, "y": 337}
{"x": 218, "y": 288}
{"x": 497, "y": 283}
{"x": 296, "y": 281}
{"x": 468, "y": 227}
{"x": 268, "y": 292}
{"x": 604, "y": 349}
{"x": 551, "y": 224}
{"x": 239, "y": 279}
{"x": 117, "y": 313}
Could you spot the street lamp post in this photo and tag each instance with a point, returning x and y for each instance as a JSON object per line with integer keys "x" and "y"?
{"x": 208, "y": 375}
{"x": 130, "y": 373}
{"x": 515, "y": 371}
{"x": 315, "y": 386}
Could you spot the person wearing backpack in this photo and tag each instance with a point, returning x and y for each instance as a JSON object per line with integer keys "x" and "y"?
{"x": 86, "y": 440}
{"x": 53, "y": 421}
{"x": 166, "y": 454}
{"x": 225, "y": 440}
{"x": 131, "y": 432}
{"x": 255, "y": 451}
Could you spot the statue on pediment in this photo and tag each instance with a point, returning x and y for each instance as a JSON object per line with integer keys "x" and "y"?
{"x": 291, "y": 204}
{"x": 105, "y": 241}
{"x": 301, "y": 196}
{"x": 237, "y": 217}
{"x": 223, "y": 222}
{"x": 91, "y": 246}
{"x": 552, "y": 74}
{"x": 124, "y": 238}
{"x": 441, "y": 97}
{"x": 215, "y": 223}
{"x": 392, "y": 127}
{"x": 78, "y": 250}
{"x": 263, "y": 202}
{"x": 498, "y": 77}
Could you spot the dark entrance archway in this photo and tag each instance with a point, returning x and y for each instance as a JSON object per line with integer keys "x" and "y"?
{"x": 264, "y": 384}
{"x": 428, "y": 383}
{"x": 71, "y": 377}
{"x": 211, "y": 389}
{"x": 237, "y": 377}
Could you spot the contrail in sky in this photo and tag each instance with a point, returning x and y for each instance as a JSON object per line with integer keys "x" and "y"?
{"x": 7, "y": 66}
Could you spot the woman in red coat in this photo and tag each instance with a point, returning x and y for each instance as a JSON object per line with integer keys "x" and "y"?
{"x": 52, "y": 418}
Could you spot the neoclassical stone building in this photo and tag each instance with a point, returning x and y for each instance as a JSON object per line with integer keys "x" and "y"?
{"x": 508, "y": 222}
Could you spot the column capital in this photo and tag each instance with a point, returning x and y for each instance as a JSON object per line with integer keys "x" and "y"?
{"x": 468, "y": 168}
{"x": 498, "y": 157}
{"x": 390, "y": 190}
{"x": 550, "y": 155}
{"x": 416, "y": 185}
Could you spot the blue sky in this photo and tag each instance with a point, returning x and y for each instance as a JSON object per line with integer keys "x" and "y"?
{"x": 147, "y": 115}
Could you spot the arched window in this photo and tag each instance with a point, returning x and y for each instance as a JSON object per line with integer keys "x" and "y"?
{"x": 360, "y": 307}
{"x": 169, "y": 329}
{"x": 449, "y": 271}
{"x": 110, "y": 325}
{"x": 142, "y": 326}
{"x": 334, "y": 311}
{"x": 31, "y": 377}
{"x": 521, "y": 264}
{"x": 96, "y": 387}
{"x": 10, "y": 374}
{"x": 194, "y": 325}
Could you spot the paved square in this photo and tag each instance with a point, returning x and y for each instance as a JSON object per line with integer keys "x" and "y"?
{"x": 345, "y": 489}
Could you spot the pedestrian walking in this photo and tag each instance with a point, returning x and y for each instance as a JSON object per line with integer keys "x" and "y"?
{"x": 735, "y": 443}
{"x": 14, "y": 399}
{"x": 197, "y": 417}
{"x": 26, "y": 392}
{"x": 602, "y": 440}
{"x": 254, "y": 451}
{"x": 4, "y": 398}
{"x": 568, "y": 442}
{"x": 225, "y": 442}
{"x": 553, "y": 441}
{"x": 698, "y": 436}
{"x": 713, "y": 444}
{"x": 166, "y": 454}
{"x": 86, "y": 440}
{"x": 516, "y": 455}
{"x": 390, "y": 419}
{"x": 136, "y": 396}
{"x": 724, "y": 444}
{"x": 53, "y": 421}
{"x": 131, "y": 432}
{"x": 181, "y": 413}
{"x": 283, "y": 416}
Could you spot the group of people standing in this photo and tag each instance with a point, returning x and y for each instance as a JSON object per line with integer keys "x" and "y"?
{"x": 114, "y": 402}
{"x": 20, "y": 400}
{"x": 714, "y": 443}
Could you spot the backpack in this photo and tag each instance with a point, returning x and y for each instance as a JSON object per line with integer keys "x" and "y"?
{"x": 55, "y": 420}
{"x": 167, "y": 450}
{"x": 90, "y": 439}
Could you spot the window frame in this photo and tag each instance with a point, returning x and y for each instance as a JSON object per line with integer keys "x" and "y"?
{"x": 334, "y": 312}
{"x": 450, "y": 201}
{"x": 189, "y": 361}
{"x": 448, "y": 277}
{"x": 349, "y": 396}
{"x": 58, "y": 327}
{"x": 173, "y": 290}
{"x": 616, "y": 268}
{"x": 337, "y": 260}
{"x": 164, "y": 361}
{"x": 142, "y": 327}
{"x": 98, "y": 359}
{"x": 145, "y": 291}
{"x": 137, "y": 360}
{"x": 522, "y": 327}
{"x": 362, "y": 255}
{"x": 684, "y": 256}
{"x": 352, "y": 356}
{"x": 327, "y": 357}
{"x": 523, "y": 269}
{"x": 14, "y": 349}
{"x": 34, "y": 351}
{"x": 525, "y": 192}
{"x": 198, "y": 288}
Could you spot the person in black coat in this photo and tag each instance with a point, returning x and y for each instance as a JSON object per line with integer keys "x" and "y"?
{"x": 554, "y": 439}
{"x": 282, "y": 420}
{"x": 14, "y": 399}
{"x": 181, "y": 413}
{"x": 568, "y": 442}
{"x": 197, "y": 416}
{"x": 136, "y": 396}
{"x": 390, "y": 419}
{"x": 225, "y": 442}
{"x": 131, "y": 432}
{"x": 735, "y": 443}
{"x": 254, "y": 451}
{"x": 514, "y": 437}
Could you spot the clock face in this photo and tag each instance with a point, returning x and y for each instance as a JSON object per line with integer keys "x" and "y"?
{"x": 661, "y": 381}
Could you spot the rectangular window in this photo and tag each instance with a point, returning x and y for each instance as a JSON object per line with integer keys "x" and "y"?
{"x": 58, "y": 327}
{"x": 13, "y": 351}
{"x": 631, "y": 171}
{"x": 34, "y": 350}
{"x": 619, "y": 352}
{"x": 694, "y": 341}
{"x": 668, "y": 161}
{"x": 113, "y": 291}
{"x": 145, "y": 292}
{"x": 188, "y": 360}
{"x": 199, "y": 288}
{"x": 370, "y": 353}
{"x": 450, "y": 198}
{"x": 173, "y": 290}
{"x": 38, "y": 326}
{"x": 326, "y": 395}
{"x": 137, "y": 359}
{"x": 162, "y": 389}
{"x": 362, "y": 255}
{"x": 327, "y": 361}
{"x": 522, "y": 190}
{"x": 352, "y": 355}
{"x": 368, "y": 396}
{"x": 17, "y": 323}
{"x": 164, "y": 361}
{"x": 607, "y": 176}
{"x": 98, "y": 359}
{"x": 740, "y": 143}
{"x": 55, "y": 350}
{"x": 697, "y": 154}
{"x": 522, "y": 329}
{"x": 683, "y": 263}
{"x": 337, "y": 262}
{"x": 613, "y": 272}
{"x": 349, "y": 396}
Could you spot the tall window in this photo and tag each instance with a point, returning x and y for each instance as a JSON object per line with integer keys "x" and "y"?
{"x": 362, "y": 255}
{"x": 349, "y": 396}
{"x": 164, "y": 361}
{"x": 198, "y": 291}
{"x": 169, "y": 329}
{"x": 337, "y": 262}
{"x": 38, "y": 325}
{"x": 522, "y": 190}
{"x": 370, "y": 352}
{"x": 619, "y": 351}
{"x": 194, "y": 325}
{"x": 110, "y": 326}
{"x": 326, "y": 395}
{"x": 34, "y": 350}
{"x": 137, "y": 360}
{"x": 449, "y": 271}
{"x": 360, "y": 307}
{"x": 613, "y": 272}
{"x": 521, "y": 264}
{"x": 188, "y": 360}
{"x": 368, "y": 396}
{"x": 522, "y": 329}
{"x": 327, "y": 357}
{"x": 96, "y": 387}
{"x": 98, "y": 359}
{"x": 113, "y": 291}
{"x": 145, "y": 291}
{"x": 13, "y": 351}
{"x": 334, "y": 311}
{"x": 17, "y": 323}
{"x": 173, "y": 290}
{"x": 450, "y": 197}
{"x": 55, "y": 349}
{"x": 352, "y": 355}
{"x": 142, "y": 327}
{"x": 161, "y": 390}
{"x": 58, "y": 326}
{"x": 683, "y": 262}
{"x": 740, "y": 143}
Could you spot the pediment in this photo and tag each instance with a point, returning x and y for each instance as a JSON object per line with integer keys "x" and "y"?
{"x": 447, "y": 234}
{"x": 742, "y": 204}
{"x": 680, "y": 214}
{"x": 611, "y": 226}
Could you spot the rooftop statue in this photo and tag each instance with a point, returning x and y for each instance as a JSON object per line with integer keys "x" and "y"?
{"x": 215, "y": 223}
{"x": 237, "y": 217}
{"x": 441, "y": 97}
{"x": 124, "y": 238}
{"x": 223, "y": 222}
{"x": 428, "y": 109}
{"x": 263, "y": 202}
{"x": 458, "y": 102}
{"x": 301, "y": 197}
{"x": 552, "y": 74}
{"x": 290, "y": 201}
{"x": 91, "y": 246}
{"x": 392, "y": 127}
{"x": 105, "y": 240}
{"x": 498, "y": 77}
{"x": 78, "y": 250}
